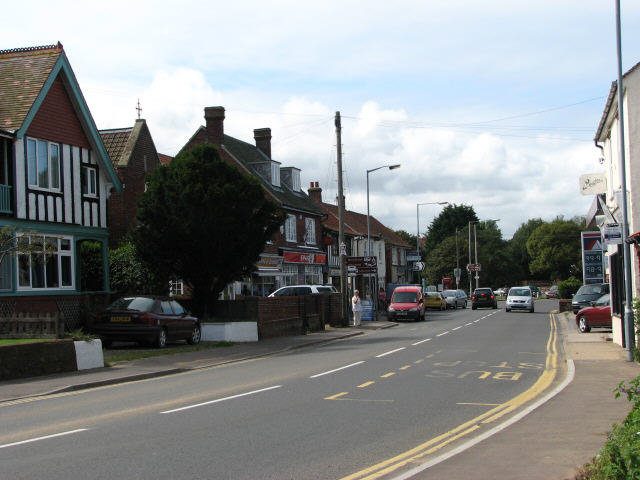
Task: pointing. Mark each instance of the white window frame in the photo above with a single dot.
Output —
(290, 228)
(313, 274)
(52, 163)
(295, 179)
(291, 275)
(275, 174)
(63, 255)
(90, 181)
(176, 287)
(309, 231)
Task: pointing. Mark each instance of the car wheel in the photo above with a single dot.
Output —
(473, 307)
(455, 306)
(508, 309)
(531, 311)
(582, 325)
(465, 304)
(161, 339)
(196, 334)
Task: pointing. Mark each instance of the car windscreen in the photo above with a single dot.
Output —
(404, 297)
(519, 292)
(325, 289)
(480, 291)
(449, 293)
(591, 290)
(139, 304)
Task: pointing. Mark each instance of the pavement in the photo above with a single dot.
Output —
(552, 442)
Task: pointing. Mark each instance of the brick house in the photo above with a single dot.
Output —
(55, 178)
(293, 256)
(134, 156)
(386, 245)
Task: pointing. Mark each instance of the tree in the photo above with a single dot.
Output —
(128, 275)
(555, 249)
(444, 225)
(204, 221)
(517, 249)
(28, 242)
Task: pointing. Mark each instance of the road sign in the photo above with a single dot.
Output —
(418, 266)
(474, 267)
(362, 265)
(612, 233)
(457, 272)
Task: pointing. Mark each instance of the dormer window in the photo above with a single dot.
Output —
(295, 179)
(275, 174)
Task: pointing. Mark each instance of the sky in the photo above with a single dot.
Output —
(492, 104)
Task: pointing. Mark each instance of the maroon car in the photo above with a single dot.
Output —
(597, 315)
(153, 320)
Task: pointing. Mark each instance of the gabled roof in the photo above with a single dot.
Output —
(356, 224)
(120, 142)
(26, 76)
(248, 154)
(600, 132)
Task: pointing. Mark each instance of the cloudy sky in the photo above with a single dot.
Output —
(489, 103)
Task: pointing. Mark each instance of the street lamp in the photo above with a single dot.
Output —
(390, 167)
(475, 246)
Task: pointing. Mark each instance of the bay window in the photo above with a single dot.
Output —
(48, 266)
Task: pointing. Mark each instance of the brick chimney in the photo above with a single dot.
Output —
(263, 140)
(315, 192)
(215, 124)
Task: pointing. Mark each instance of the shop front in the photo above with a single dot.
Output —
(303, 268)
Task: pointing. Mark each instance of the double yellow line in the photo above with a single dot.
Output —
(417, 453)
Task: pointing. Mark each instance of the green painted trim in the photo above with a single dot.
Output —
(62, 64)
(87, 233)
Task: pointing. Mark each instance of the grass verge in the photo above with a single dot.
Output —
(12, 341)
(126, 353)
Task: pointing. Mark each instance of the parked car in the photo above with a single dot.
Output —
(520, 298)
(483, 297)
(455, 298)
(406, 303)
(587, 294)
(552, 292)
(153, 320)
(596, 315)
(298, 290)
(435, 300)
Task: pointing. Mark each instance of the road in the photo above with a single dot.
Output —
(366, 407)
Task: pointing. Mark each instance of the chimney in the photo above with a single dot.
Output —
(315, 192)
(263, 140)
(215, 124)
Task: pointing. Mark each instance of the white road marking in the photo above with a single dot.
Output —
(31, 440)
(467, 324)
(421, 341)
(336, 370)
(441, 334)
(222, 399)
(390, 352)
(457, 328)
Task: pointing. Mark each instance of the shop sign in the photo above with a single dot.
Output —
(270, 262)
(296, 257)
(362, 265)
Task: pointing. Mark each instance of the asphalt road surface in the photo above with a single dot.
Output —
(364, 407)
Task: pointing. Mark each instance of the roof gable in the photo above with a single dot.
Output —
(26, 78)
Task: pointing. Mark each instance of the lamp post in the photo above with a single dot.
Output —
(390, 167)
(468, 269)
(475, 243)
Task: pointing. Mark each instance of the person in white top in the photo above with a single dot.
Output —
(356, 306)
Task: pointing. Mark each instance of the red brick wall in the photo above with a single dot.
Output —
(122, 207)
(56, 120)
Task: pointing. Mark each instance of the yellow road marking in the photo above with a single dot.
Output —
(419, 361)
(424, 449)
(386, 375)
(478, 404)
(366, 384)
(337, 395)
(405, 367)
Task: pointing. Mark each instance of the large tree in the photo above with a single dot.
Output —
(517, 249)
(407, 237)
(444, 225)
(204, 221)
(555, 249)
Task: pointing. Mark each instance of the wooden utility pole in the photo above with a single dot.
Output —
(344, 310)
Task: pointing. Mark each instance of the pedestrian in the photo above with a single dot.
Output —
(356, 306)
(382, 299)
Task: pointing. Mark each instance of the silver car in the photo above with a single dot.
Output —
(520, 298)
(455, 298)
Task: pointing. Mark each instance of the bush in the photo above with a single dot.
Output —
(568, 287)
(619, 459)
(128, 276)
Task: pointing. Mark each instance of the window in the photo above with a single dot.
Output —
(290, 274)
(313, 274)
(275, 174)
(295, 179)
(43, 164)
(51, 269)
(176, 287)
(90, 181)
(5, 273)
(309, 231)
(290, 228)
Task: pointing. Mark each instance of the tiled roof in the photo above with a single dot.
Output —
(115, 141)
(356, 224)
(164, 159)
(247, 154)
(23, 72)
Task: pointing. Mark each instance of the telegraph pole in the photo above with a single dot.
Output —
(344, 311)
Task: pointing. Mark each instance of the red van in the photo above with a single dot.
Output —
(407, 303)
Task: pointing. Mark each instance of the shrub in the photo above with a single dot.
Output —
(568, 287)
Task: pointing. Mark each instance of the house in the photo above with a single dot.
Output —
(134, 156)
(293, 256)
(56, 177)
(388, 248)
(606, 207)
